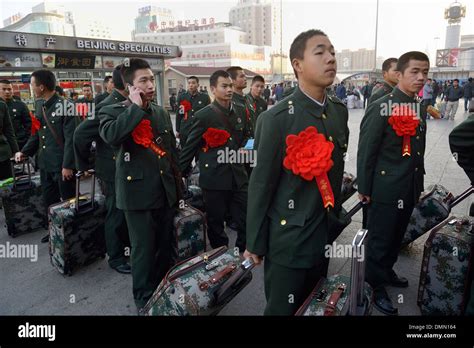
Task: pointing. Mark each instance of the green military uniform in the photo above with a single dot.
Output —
(393, 182)
(146, 190)
(461, 142)
(288, 91)
(90, 103)
(286, 220)
(224, 185)
(116, 233)
(380, 92)
(258, 106)
(8, 144)
(101, 97)
(53, 154)
(243, 102)
(21, 120)
(185, 122)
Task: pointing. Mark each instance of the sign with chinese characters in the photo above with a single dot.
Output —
(74, 61)
(20, 60)
(186, 23)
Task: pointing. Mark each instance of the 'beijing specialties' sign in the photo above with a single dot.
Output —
(122, 47)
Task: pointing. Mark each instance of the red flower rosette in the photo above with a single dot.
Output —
(308, 155)
(185, 106)
(404, 122)
(215, 137)
(35, 124)
(143, 135)
(82, 109)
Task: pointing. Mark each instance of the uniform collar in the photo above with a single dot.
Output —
(51, 101)
(387, 85)
(117, 96)
(309, 102)
(224, 110)
(193, 96)
(404, 97)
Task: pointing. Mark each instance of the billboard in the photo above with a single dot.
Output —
(447, 57)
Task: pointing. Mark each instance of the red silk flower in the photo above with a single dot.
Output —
(308, 155)
(215, 137)
(186, 106)
(404, 122)
(143, 135)
(35, 124)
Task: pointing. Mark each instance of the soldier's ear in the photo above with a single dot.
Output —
(296, 64)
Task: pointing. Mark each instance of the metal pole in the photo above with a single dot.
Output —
(376, 32)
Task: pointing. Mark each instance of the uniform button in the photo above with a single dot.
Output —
(52, 121)
(206, 165)
(417, 137)
(230, 138)
(159, 157)
(419, 154)
(129, 178)
(166, 131)
(283, 222)
(330, 138)
(44, 127)
(161, 172)
(416, 169)
(382, 172)
(345, 145)
(44, 147)
(113, 157)
(42, 137)
(324, 116)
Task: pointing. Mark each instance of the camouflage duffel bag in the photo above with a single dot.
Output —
(190, 232)
(202, 285)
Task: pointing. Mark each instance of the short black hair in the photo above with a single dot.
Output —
(299, 44)
(388, 63)
(405, 58)
(59, 90)
(46, 78)
(470, 79)
(258, 78)
(233, 71)
(215, 76)
(7, 82)
(193, 78)
(106, 79)
(456, 80)
(85, 85)
(117, 78)
(128, 70)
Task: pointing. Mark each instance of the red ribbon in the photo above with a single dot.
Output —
(326, 190)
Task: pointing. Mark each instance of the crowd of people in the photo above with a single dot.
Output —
(281, 215)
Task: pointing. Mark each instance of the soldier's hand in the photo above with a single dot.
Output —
(257, 260)
(67, 174)
(87, 174)
(364, 198)
(136, 96)
(177, 135)
(19, 156)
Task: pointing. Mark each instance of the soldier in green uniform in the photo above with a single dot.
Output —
(461, 142)
(146, 182)
(223, 181)
(108, 88)
(390, 169)
(8, 145)
(289, 220)
(196, 102)
(19, 113)
(254, 98)
(116, 233)
(239, 81)
(390, 79)
(53, 142)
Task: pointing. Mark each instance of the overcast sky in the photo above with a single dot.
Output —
(403, 24)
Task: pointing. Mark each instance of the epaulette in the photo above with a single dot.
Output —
(336, 100)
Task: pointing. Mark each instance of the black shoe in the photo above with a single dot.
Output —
(45, 239)
(124, 268)
(398, 282)
(383, 303)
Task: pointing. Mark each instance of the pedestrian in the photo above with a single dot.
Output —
(453, 94)
(468, 93)
(390, 80)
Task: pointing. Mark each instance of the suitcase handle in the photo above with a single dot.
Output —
(79, 175)
(12, 162)
(226, 290)
(355, 209)
(461, 197)
(357, 297)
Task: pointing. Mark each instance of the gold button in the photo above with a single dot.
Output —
(230, 138)
(44, 147)
(52, 121)
(283, 222)
(206, 165)
(161, 172)
(42, 137)
(417, 137)
(330, 138)
(419, 154)
(382, 172)
(290, 102)
(166, 131)
(129, 178)
(113, 157)
(345, 145)
(159, 157)
(416, 169)
(44, 127)
(324, 116)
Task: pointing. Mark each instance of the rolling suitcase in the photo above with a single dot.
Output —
(434, 206)
(446, 270)
(23, 204)
(349, 186)
(23, 168)
(342, 295)
(190, 232)
(202, 285)
(194, 197)
(76, 230)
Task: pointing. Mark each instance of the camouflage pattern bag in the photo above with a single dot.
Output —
(194, 197)
(202, 285)
(434, 206)
(446, 273)
(23, 205)
(349, 186)
(340, 295)
(190, 231)
(76, 235)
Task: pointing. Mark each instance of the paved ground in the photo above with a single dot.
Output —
(35, 288)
